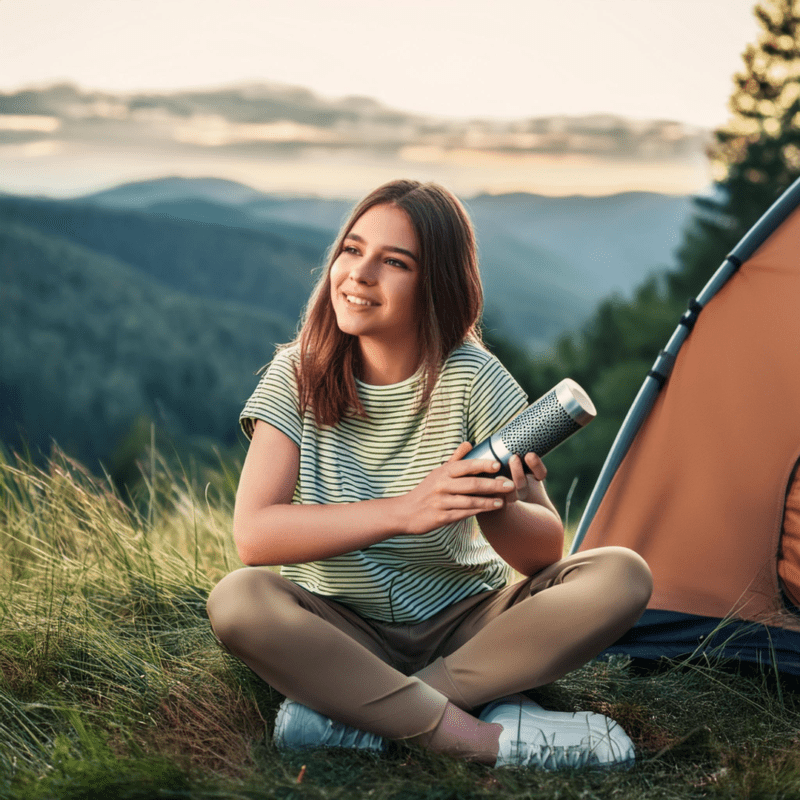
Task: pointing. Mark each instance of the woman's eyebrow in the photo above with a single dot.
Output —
(355, 237)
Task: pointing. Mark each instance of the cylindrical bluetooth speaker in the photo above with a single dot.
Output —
(542, 426)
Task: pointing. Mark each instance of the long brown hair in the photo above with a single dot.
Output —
(451, 298)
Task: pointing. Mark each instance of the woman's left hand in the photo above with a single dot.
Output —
(528, 486)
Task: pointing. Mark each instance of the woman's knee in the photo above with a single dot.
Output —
(628, 571)
(237, 600)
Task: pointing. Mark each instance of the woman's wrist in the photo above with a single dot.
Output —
(394, 516)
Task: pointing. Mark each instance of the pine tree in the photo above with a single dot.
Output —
(756, 155)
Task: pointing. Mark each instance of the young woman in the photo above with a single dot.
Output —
(391, 618)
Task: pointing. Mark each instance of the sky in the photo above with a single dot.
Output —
(663, 59)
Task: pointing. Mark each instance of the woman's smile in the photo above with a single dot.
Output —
(359, 301)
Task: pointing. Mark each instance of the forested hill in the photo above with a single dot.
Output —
(270, 268)
(94, 349)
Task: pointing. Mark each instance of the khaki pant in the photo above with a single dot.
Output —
(395, 680)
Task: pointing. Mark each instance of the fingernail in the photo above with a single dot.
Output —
(498, 503)
(508, 484)
(496, 465)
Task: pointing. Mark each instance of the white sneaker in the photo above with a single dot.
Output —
(297, 727)
(535, 737)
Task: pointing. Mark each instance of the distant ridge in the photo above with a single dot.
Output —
(546, 260)
(532, 294)
(140, 194)
(162, 298)
(270, 268)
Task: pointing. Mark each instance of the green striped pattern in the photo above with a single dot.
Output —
(405, 579)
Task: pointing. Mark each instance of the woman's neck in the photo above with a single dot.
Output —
(383, 364)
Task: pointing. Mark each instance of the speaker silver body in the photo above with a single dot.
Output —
(540, 428)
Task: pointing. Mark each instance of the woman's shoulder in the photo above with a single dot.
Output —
(479, 372)
(286, 357)
(280, 374)
(469, 358)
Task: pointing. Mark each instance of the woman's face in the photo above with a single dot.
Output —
(375, 278)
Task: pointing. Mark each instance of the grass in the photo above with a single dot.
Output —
(112, 685)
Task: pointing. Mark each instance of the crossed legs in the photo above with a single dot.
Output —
(325, 656)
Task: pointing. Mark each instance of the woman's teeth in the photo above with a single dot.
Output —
(358, 300)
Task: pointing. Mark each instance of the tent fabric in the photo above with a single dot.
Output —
(668, 634)
(705, 493)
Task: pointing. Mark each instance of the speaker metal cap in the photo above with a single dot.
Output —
(575, 401)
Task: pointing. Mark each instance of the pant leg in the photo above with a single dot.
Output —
(542, 628)
(320, 654)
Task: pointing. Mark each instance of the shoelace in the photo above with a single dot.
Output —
(342, 735)
(549, 757)
(552, 756)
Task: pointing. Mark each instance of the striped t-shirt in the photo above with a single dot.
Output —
(407, 578)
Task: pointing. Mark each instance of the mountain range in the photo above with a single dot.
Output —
(546, 261)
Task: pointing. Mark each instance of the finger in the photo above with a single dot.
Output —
(505, 489)
(460, 452)
(476, 503)
(457, 507)
(517, 471)
(467, 485)
(511, 497)
(518, 476)
(476, 506)
(473, 466)
(536, 466)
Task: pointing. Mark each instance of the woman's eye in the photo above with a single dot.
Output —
(395, 263)
(349, 249)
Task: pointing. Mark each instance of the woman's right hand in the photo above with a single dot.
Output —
(452, 492)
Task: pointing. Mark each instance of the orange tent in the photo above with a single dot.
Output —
(703, 482)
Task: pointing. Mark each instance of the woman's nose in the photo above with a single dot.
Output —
(363, 270)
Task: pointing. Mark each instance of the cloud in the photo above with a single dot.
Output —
(256, 124)
(213, 130)
(29, 122)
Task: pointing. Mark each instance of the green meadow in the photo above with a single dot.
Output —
(113, 686)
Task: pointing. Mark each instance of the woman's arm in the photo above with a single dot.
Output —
(268, 529)
(527, 531)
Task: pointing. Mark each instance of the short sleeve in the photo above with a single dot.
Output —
(495, 398)
(275, 399)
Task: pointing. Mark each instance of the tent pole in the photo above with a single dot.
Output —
(662, 367)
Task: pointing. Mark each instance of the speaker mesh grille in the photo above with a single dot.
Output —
(539, 428)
